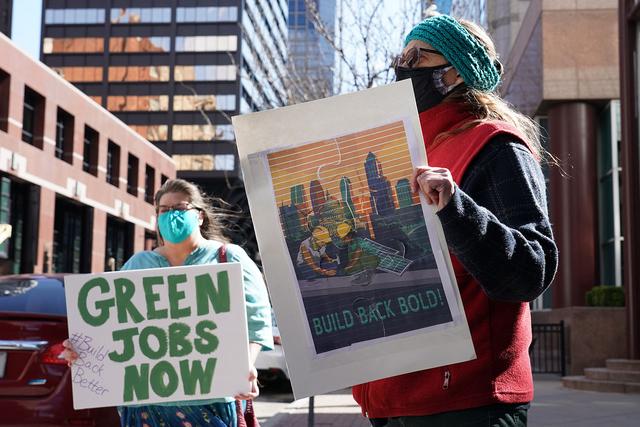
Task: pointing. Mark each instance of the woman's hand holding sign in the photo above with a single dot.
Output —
(69, 354)
(436, 184)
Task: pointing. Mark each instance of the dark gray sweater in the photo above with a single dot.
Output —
(497, 223)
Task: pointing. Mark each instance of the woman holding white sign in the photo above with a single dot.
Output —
(485, 181)
(190, 234)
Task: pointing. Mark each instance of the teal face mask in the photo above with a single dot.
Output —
(175, 226)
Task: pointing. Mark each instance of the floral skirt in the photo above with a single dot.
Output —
(215, 414)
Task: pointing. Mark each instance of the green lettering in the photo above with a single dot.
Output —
(206, 292)
(191, 377)
(136, 383)
(317, 325)
(402, 302)
(102, 306)
(126, 335)
(160, 335)
(158, 373)
(179, 345)
(124, 290)
(175, 296)
(206, 342)
(151, 297)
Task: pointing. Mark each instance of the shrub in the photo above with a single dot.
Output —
(605, 296)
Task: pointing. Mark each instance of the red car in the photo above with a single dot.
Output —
(35, 383)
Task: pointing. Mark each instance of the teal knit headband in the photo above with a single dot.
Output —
(462, 50)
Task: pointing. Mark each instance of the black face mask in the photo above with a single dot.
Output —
(428, 84)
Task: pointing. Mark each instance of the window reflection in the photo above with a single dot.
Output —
(74, 16)
(137, 15)
(80, 74)
(206, 43)
(204, 162)
(205, 72)
(139, 44)
(73, 45)
(193, 162)
(204, 102)
(138, 103)
(202, 132)
(158, 73)
(152, 132)
(207, 14)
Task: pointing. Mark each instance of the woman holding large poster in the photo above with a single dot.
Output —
(190, 234)
(485, 180)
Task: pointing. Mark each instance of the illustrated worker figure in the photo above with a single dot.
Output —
(313, 261)
(359, 260)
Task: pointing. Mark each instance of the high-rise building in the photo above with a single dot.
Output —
(311, 57)
(6, 7)
(175, 71)
(442, 6)
(76, 184)
(471, 10)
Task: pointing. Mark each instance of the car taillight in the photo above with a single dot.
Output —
(53, 355)
(277, 340)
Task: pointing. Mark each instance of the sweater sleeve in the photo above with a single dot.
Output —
(497, 223)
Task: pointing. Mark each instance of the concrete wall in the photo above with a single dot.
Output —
(592, 334)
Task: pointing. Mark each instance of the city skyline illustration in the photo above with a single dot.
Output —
(367, 171)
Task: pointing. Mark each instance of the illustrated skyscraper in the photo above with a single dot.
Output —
(379, 187)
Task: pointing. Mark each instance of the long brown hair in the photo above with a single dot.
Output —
(211, 228)
(488, 106)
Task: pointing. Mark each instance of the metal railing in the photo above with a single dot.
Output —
(547, 348)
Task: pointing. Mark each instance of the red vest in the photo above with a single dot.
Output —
(501, 331)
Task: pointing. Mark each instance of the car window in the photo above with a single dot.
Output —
(38, 295)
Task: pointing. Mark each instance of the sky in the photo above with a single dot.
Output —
(25, 26)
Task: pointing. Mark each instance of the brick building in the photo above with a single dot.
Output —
(76, 183)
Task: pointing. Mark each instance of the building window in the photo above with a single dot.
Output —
(225, 162)
(149, 184)
(137, 15)
(73, 45)
(153, 73)
(139, 44)
(113, 164)
(202, 132)
(207, 14)
(90, 151)
(163, 178)
(119, 243)
(132, 175)
(204, 102)
(205, 73)
(72, 234)
(33, 117)
(74, 16)
(64, 136)
(609, 200)
(152, 132)
(5, 92)
(80, 74)
(138, 103)
(206, 44)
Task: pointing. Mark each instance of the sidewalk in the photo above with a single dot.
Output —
(553, 405)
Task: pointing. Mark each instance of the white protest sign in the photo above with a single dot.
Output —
(357, 266)
(158, 335)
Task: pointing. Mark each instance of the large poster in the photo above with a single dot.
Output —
(356, 264)
(157, 335)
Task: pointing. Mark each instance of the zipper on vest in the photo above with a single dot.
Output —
(447, 377)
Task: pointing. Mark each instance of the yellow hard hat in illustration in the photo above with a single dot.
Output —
(321, 234)
(344, 229)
